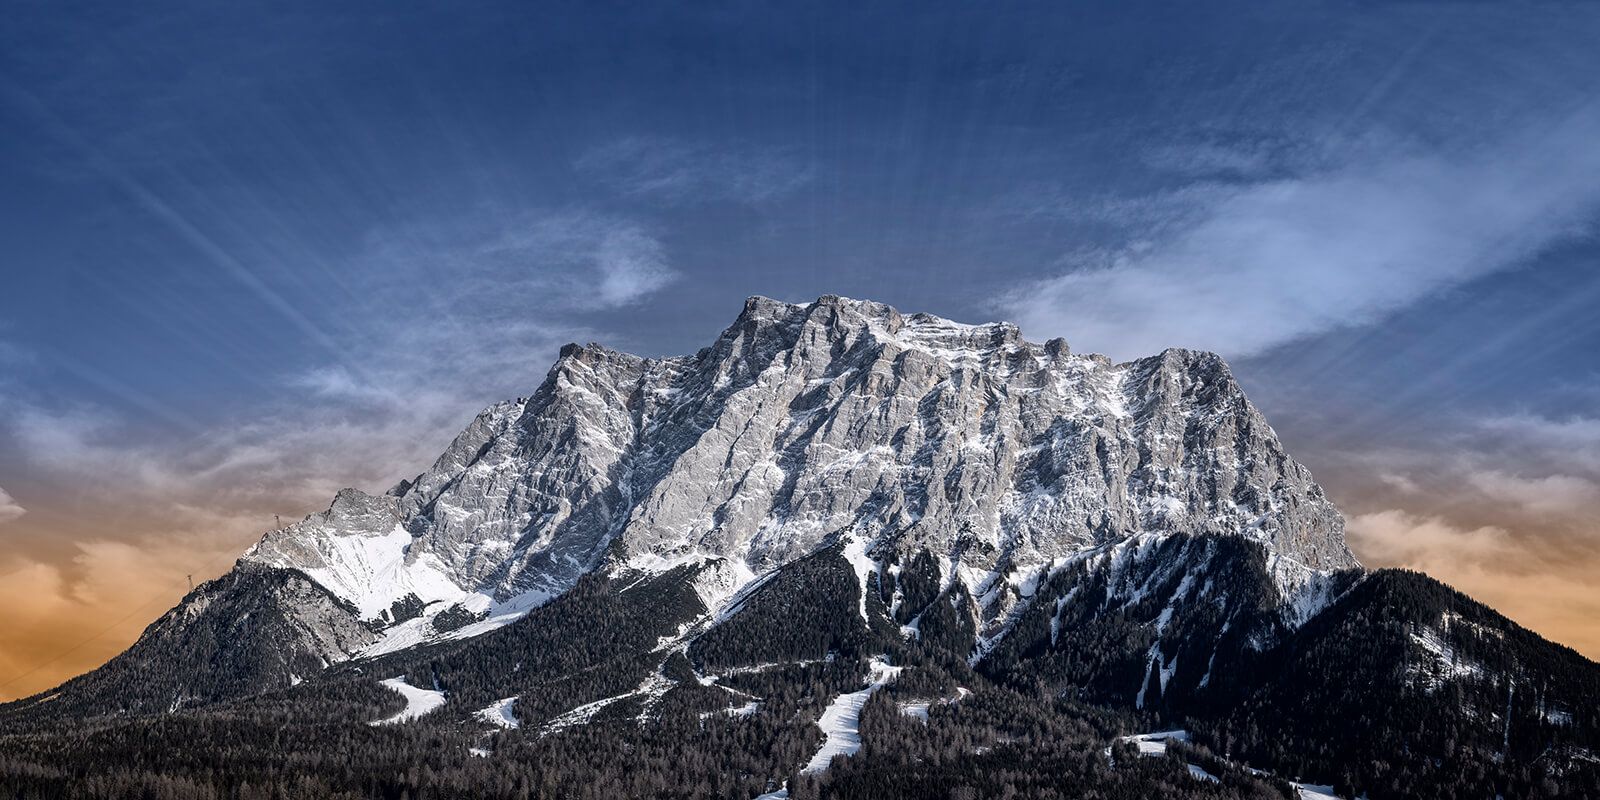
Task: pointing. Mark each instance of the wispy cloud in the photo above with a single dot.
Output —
(1253, 265)
(1245, 159)
(592, 260)
(1522, 472)
(445, 316)
(448, 321)
(1572, 439)
(1428, 543)
(10, 509)
(1547, 495)
(680, 172)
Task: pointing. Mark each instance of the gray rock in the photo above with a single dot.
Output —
(804, 423)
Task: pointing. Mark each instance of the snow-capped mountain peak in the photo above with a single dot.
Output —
(801, 423)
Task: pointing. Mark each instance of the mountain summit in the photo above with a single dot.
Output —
(834, 490)
(803, 424)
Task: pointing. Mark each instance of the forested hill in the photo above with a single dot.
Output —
(628, 688)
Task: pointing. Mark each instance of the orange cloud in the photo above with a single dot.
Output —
(1493, 565)
(68, 613)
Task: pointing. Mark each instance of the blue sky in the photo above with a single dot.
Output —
(250, 256)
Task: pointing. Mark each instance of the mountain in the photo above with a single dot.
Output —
(698, 561)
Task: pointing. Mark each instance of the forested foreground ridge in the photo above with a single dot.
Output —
(844, 553)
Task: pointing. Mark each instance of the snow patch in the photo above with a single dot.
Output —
(418, 701)
(717, 580)
(841, 720)
(748, 669)
(497, 614)
(1155, 744)
(650, 690)
(500, 714)
(855, 551)
(737, 712)
(370, 570)
(918, 711)
(913, 629)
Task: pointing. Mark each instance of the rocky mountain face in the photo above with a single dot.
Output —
(840, 420)
(830, 491)
(804, 423)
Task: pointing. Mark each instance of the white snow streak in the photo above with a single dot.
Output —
(418, 631)
(418, 701)
(580, 715)
(841, 720)
(855, 551)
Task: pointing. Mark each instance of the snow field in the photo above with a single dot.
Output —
(418, 701)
